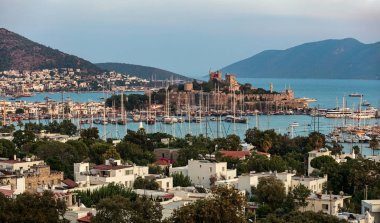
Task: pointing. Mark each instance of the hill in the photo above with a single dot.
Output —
(141, 71)
(20, 53)
(335, 59)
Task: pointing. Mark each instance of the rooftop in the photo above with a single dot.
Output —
(110, 167)
(372, 202)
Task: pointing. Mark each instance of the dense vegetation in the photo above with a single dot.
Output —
(39, 208)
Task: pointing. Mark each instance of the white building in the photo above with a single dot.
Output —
(17, 164)
(246, 182)
(202, 172)
(111, 172)
(326, 203)
(373, 207)
(315, 184)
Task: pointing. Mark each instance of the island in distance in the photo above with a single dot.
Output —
(329, 59)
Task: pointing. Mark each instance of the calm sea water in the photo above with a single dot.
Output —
(329, 93)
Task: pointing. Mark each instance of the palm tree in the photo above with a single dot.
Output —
(373, 144)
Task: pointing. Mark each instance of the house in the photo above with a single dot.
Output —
(373, 207)
(247, 181)
(326, 203)
(164, 183)
(27, 175)
(315, 184)
(110, 172)
(205, 172)
(166, 154)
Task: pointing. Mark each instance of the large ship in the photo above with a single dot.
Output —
(338, 113)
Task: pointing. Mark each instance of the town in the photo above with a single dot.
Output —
(16, 83)
(266, 176)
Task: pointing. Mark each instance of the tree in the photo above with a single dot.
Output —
(316, 140)
(373, 144)
(92, 197)
(225, 205)
(7, 148)
(301, 217)
(90, 135)
(271, 191)
(111, 153)
(113, 210)
(180, 180)
(142, 183)
(119, 209)
(300, 193)
(22, 137)
(97, 150)
(134, 153)
(32, 208)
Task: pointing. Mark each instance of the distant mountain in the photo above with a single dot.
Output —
(338, 59)
(20, 53)
(141, 71)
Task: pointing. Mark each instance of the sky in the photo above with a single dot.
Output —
(186, 37)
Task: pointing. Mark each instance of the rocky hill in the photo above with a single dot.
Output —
(20, 53)
(334, 59)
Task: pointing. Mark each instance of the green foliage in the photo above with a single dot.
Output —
(180, 180)
(142, 183)
(271, 191)
(119, 209)
(22, 137)
(302, 217)
(59, 156)
(91, 198)
(32, 208)
(134, 153)
(300, 193)
(66, 127)
(97, 150)
(226, 205)
(7, 148)
(90, 135)
(111, 153)
(7, 128)
(131, 101)
(231, 142)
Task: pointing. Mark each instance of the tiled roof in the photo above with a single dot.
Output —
(70, 183)
(7, 193)
(235, 154)
(86, 218)
(110, 167)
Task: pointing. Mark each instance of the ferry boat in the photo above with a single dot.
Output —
(338, 113)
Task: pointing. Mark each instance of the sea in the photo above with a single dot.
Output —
(329, 93)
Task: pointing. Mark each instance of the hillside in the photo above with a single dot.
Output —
(141, 71)
(20, 53)
(338, 59)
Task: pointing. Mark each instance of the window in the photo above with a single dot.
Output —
(222, 168)
(200, 166)
(210, 168)
(325, 207)
(167, 184)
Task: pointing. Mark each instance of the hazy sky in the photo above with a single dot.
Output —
(187, 37)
